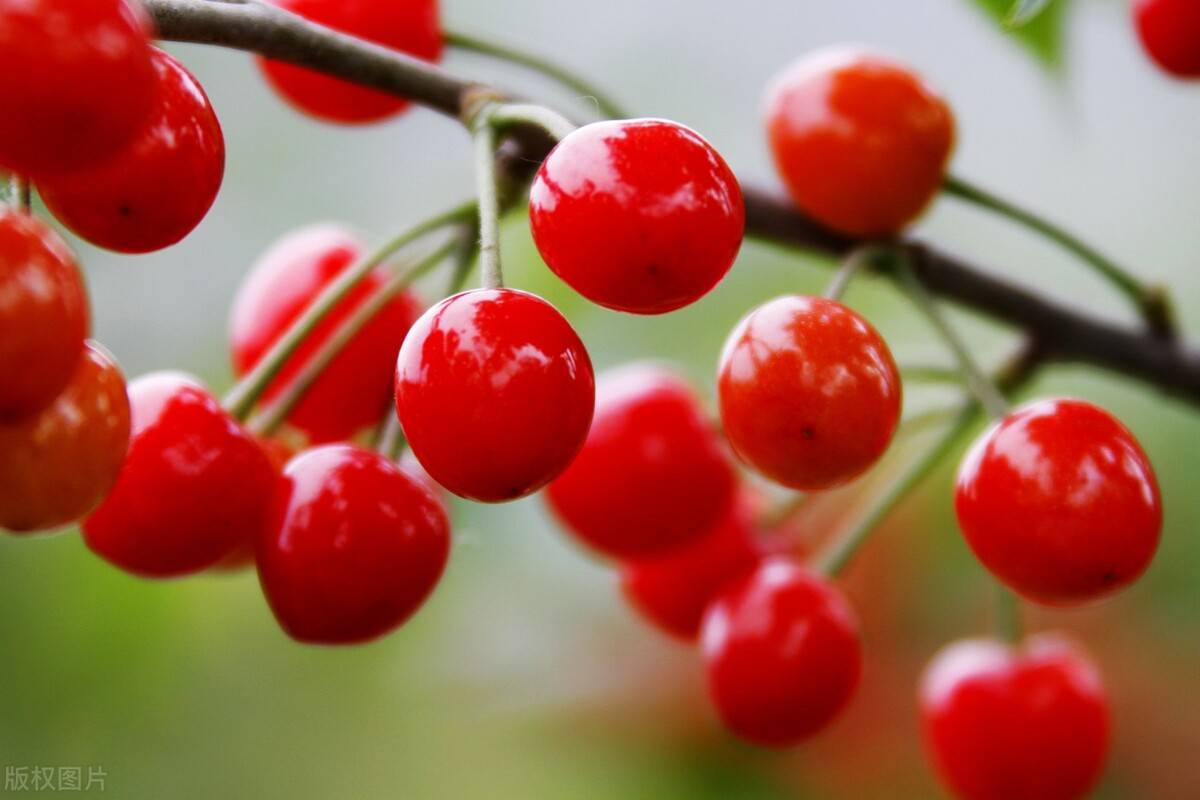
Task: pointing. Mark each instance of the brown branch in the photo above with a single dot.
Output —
(1060, 332)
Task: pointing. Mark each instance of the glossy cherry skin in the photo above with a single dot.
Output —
(637, 215)
(355, 546)
(279, 453)
(354, 391)
(1001, 724)
(781, 653)
(76, 82)
(43, 315)
(809, 393)
(860, 141)
(193, 487)
(1059, 502)
(653, 474)
(410, 26)
(673, 590)
(495, 393)
(1170, 33)
(57, 465)
(155, 191)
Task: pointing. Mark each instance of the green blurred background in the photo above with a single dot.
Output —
(525, 676)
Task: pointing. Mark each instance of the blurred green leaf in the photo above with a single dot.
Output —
(1040, 29)
(1023, 12)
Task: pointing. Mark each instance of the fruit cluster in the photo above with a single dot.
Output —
(495, 394)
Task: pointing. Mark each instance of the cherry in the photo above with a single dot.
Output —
(155, 191)
(57, 465)
(1000, 724)
(356, 546)
(1170, 33)
(781, 653)
(1059, 502)
(43, 314)
(860, 141)
(410, 26)
(809, 393)
(637, 215)
(673, 590)
(652, 474)
(194, 484)
(76, 83)
(278, 452)
(354, 390)
(495, 393)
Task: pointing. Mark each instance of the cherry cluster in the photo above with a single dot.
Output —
(494, 391)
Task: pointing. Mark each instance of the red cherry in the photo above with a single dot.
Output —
(1059, 502)
(495, 393)
(860, 141)
(354, 390)
(57, 465)
(193, 486)
(156, 190)
(356, 547)
(673, 590)
(43, 314)
(278, 453)
(781, 653)
(652, 475)
(1170, 33)
(809, 393)
(638, 215)
(410, 26)
(76, 83)
(1000, 724)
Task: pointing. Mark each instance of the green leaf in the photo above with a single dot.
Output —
(1024, 11)
(1035, 24)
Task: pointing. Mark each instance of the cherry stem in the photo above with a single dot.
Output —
(242, 397)
(20, 193)
(855, 261)
(846, 545)
(980, 386)
(484, 135)
(552, 122)
(930, 374)
(1007, 612)
(1152, 302)
(391, 441)
(269, 420)
(604, 105)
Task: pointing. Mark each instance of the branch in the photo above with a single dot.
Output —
(1060, 332)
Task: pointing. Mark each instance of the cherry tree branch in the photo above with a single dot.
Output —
(1061, 332)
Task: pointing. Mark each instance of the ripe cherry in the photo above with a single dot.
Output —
(355, 547)
(781, 653)
(43, 315)
(1170, 33)
(76, 83)
(860, 141)
(809, 393)
(278, 452)
(1000, 724)
(673, 590)
(1059, 502)
(652, 475)
(410, 26)
(155, 191)
(495, 393)
(194, 484)
(638, 215)
(355, 389)
(57, 465)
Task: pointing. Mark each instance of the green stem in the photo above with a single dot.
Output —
(489, 204)
(391, 441)
(242, 397)
(20, 193)
(980, 386)
(846, 545)
(1151, 302)
(858, 259)
(570, 80)
(273, 416)
(930, 374)
(547, 119)
(1008, 615)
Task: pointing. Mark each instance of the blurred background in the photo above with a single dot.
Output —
(525, 676)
